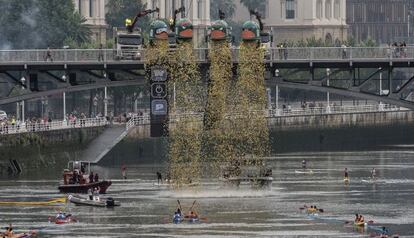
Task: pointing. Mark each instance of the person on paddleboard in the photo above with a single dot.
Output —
(346, 175)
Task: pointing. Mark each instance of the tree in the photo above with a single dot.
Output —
(259, 5)
(40, 23)
(119, 10)
(227, 6)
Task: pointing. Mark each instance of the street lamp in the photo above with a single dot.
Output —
(328, 73)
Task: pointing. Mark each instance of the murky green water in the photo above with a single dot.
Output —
(147, 208)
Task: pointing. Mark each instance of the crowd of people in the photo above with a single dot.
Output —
(397, 50)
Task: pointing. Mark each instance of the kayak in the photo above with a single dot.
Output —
(177, 219)
(56, 201)
(68, 219)
(360, 224)
(108, 202)
(21, 235)
(346, 180)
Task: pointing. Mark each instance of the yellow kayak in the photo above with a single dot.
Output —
(45, 203)
(359, 223)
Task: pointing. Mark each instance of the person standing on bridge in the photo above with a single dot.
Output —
(48, 56)
(100, 53)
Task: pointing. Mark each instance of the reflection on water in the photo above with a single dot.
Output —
(147, 207)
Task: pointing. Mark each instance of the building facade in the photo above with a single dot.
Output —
(293, 20)
(94, 13)
(197, 11)
(384, 21)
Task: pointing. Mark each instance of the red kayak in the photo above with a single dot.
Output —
(68, 219)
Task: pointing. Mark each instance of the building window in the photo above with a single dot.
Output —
(319, 9)
(91, 8)
(328, 9)
(290, 9)
(337, 9)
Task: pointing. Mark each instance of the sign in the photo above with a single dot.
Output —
(158, 74)
(158, 90)
(159, 107)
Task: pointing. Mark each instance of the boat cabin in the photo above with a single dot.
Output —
(77, 172)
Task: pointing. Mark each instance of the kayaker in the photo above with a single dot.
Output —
(61, 216)
(346, 176)
(9, 231)
(178, 211)
(361, 218)
(356, 217)
(304, 164)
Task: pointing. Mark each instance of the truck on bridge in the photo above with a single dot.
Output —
(129, 41)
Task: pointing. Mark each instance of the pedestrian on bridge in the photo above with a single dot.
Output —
(48, 56)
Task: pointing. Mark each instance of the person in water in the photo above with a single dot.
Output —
(304, 164)
(159, 177)
(373, 173)
(356, 217)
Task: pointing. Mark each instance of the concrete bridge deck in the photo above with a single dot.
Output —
(311, 57)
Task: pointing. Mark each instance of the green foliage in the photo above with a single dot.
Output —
(40, 23)
(119, 10)
(227, 6)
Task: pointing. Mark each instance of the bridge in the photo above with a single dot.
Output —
(372, 73)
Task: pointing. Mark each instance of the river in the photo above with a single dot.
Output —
(146, 207)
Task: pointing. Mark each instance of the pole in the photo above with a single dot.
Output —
(380, 92)
(328, 108)
(408, 27)
(277, 99)
(174, 96)
(17, 111)
(64, 106)
(105, 101)
(23, 120)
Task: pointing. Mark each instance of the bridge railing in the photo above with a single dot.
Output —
(201, 54)
(50, 126)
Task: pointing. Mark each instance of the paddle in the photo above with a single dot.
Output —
(179, 205)
(352, 222)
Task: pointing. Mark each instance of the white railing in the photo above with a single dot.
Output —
(194, 117)
(201, 54)
(50, 126)
(285, 112)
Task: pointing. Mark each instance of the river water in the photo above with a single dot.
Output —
(146, 207)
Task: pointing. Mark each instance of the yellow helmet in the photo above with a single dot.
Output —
(128, 22)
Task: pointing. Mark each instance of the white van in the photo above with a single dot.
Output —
(3, 115)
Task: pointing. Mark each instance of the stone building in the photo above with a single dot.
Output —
(198, 11)
(381, 20)
(292, 20)
(94, 12)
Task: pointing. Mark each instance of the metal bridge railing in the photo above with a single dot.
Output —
(191, 117)
(201, 54)
(50, 126)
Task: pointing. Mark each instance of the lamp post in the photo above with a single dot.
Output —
(328, 107)
(381, 106)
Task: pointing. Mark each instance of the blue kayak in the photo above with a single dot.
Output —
(177, 218)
